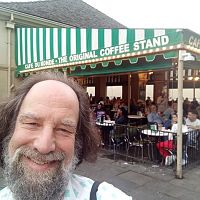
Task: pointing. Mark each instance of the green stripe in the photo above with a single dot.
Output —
(68, 39)
(44, 44)
(21, 52)
(38, 44)
(130, 35)
(149, 33)
(78, 40)
(88, 39)
(169, 31)
(26, 47)
(59, 42)
(31, 44)
(100, 38)
(115, 37)
(51, 44)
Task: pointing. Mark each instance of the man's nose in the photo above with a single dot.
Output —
(45, 141)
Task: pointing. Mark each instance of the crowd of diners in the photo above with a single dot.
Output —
(162, 112)
(159, 111)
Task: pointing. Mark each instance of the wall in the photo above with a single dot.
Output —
(19, 19)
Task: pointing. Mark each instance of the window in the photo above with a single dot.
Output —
(189, 93)
(91, 90)
(114, 91)
(149, 91)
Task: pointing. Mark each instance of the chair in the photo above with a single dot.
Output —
(184, 148)
(192, 146)
(148, 142)
(119, 138)
(135, 142)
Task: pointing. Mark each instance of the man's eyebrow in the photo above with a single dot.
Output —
(67, 122)
(27, 116)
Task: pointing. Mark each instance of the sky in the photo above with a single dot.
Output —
(150, 13)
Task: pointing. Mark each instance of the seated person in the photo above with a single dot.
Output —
(167, 116)
(193, 124)
(121, 116)
(154, 116)
(165, 147)
(99, 111)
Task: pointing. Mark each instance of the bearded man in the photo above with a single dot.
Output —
(46, 131)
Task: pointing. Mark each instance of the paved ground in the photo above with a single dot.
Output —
(143, 182)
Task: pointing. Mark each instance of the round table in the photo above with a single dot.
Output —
(156, 133)
(137, 119)
(106, 128)
(106, 123)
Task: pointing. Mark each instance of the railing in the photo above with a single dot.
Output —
(156, 146)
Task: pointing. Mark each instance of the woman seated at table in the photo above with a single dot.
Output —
(100, 112)
(121, 116)
(166, 148)
(167, 145)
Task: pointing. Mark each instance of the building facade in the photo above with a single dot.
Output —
(49, 13)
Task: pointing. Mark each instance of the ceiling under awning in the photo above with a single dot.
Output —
(99, 51)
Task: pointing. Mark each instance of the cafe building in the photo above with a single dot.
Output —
(97, 57)
(107, 54)
(48, 14)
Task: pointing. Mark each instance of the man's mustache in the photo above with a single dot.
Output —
(36, 155)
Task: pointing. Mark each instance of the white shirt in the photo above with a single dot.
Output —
(174, 129)
(79, 188)
(194, 123)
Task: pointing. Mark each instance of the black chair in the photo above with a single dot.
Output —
(119, 139)
(135, 143)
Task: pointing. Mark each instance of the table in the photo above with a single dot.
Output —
(153, 137)
(106, 128)
(137, 119)
(106, 123)
(156, 133)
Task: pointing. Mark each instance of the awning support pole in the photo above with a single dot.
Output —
(129, 91)
(179, 172)
(65, 73)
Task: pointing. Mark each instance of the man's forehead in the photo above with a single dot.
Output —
(52, 88)
(52, 93)
(51, 84)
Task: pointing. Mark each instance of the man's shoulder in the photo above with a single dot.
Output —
(198, 121)
(105, 190)
(5, 194)
(108, 191)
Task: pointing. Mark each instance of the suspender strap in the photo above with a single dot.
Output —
(94, 190)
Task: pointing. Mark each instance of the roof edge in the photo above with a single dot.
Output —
(32, 18)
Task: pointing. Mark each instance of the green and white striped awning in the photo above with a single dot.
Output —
(47, 48)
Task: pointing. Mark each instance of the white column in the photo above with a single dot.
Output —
(179, 172)
(10, 26)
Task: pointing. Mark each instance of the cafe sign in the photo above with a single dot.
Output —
(44, 48)
(191, 38)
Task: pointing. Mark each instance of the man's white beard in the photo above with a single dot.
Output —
(27, 184)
